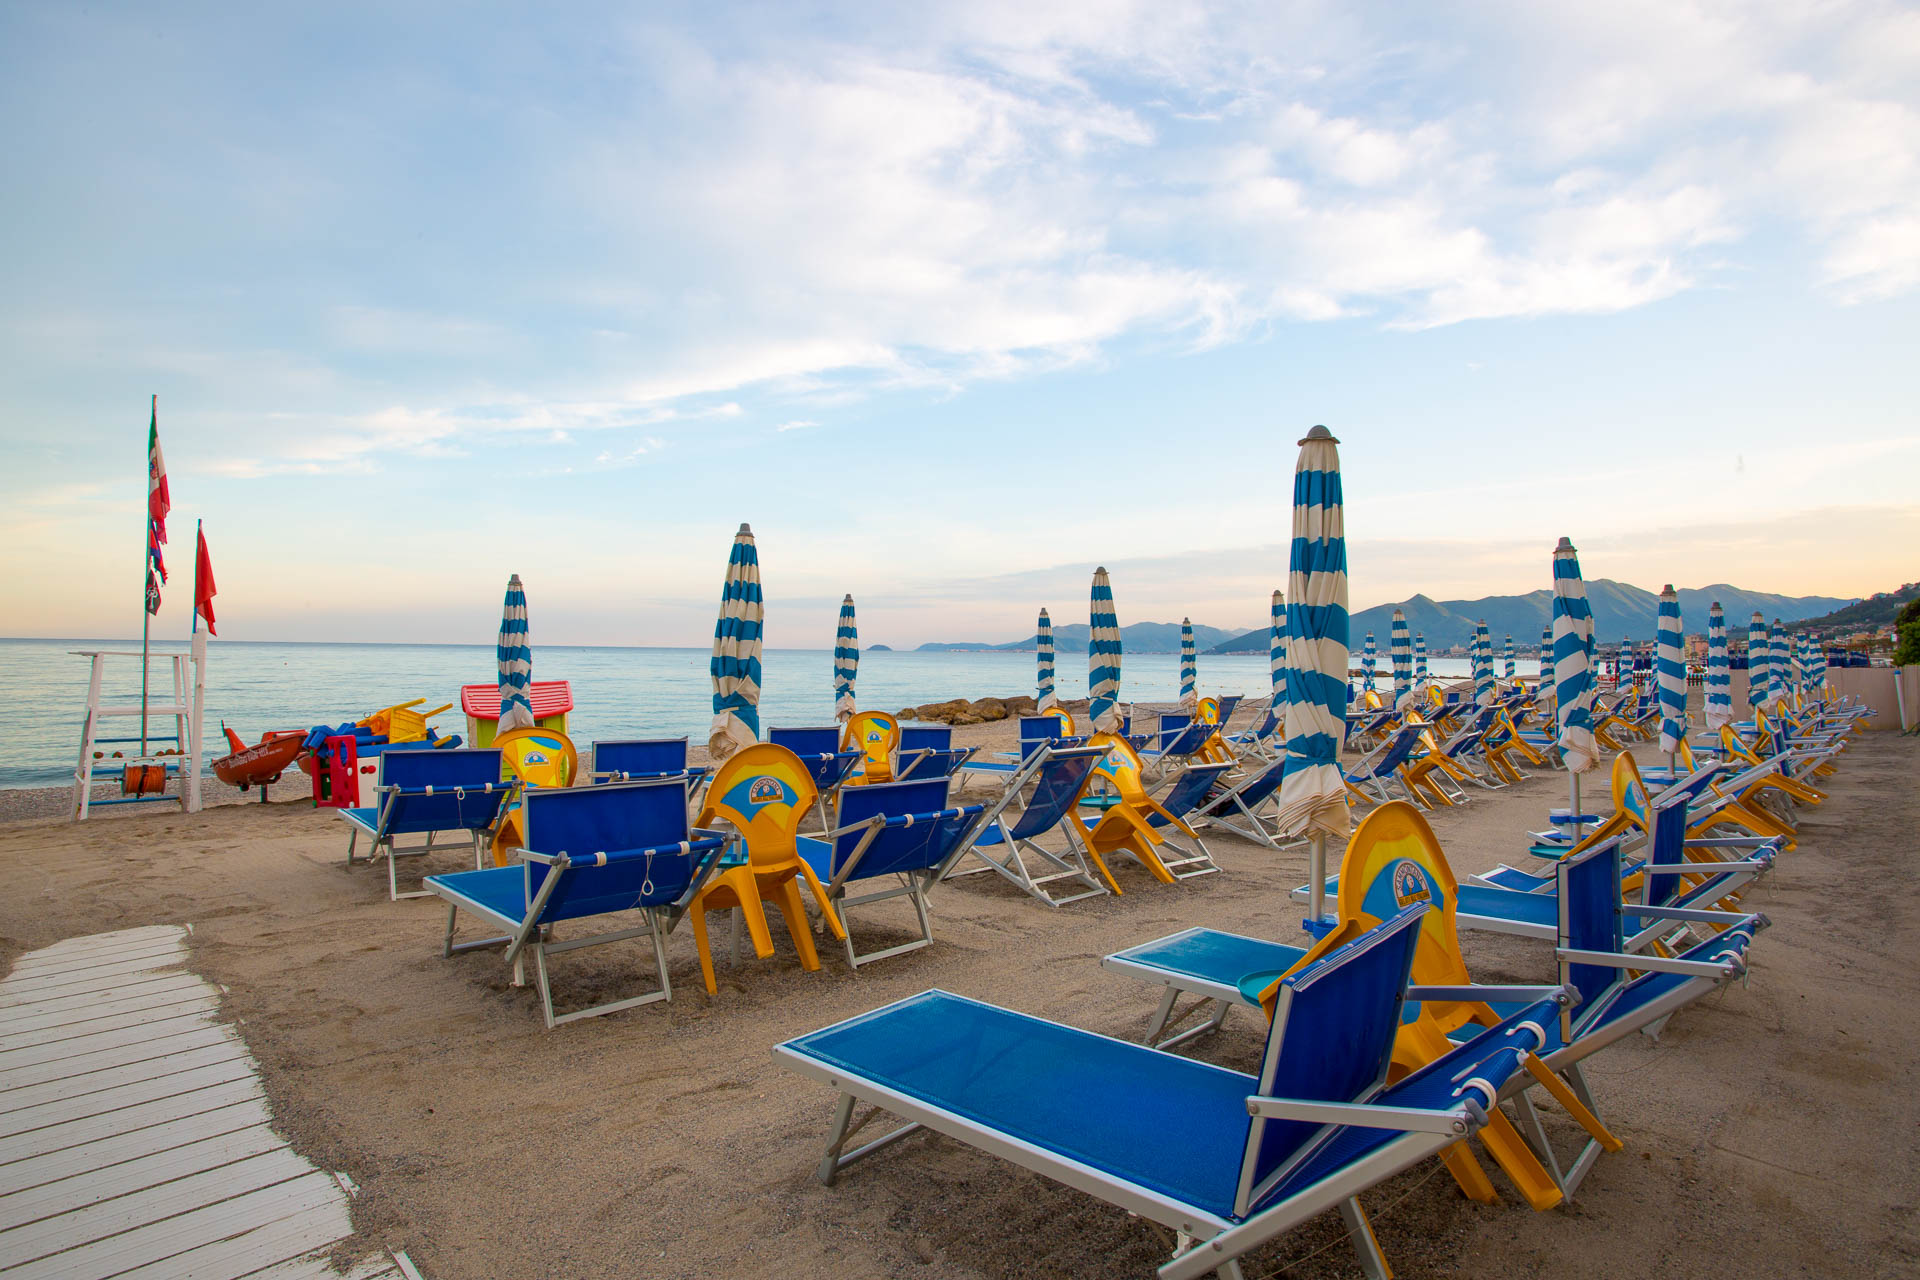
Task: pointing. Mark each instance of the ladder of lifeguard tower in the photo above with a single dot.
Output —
(185, 736)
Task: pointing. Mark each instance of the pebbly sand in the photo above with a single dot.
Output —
(1772, 1131)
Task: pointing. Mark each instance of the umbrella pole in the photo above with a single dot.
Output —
(1317, 876)
(1573, 798)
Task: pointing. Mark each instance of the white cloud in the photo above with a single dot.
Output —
(798, 424)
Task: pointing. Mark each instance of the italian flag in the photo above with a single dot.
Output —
(158, 500)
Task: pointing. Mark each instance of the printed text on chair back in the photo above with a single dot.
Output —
(764, 791)
(615, 820)
(640, 756)
(918, 847)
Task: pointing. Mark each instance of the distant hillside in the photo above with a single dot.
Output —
(1619, 611)
(1139, 637)
(1874, 611)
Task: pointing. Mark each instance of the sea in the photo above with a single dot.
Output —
(617, 692)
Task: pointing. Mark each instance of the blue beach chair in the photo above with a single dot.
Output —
(902, 830)
(1239, 808)
(818, 747)
(1013, 824)
(1265, 739)
(428, 793)
(1225, 1159)
(1035, 732)
(1180, 743)
(1378, 775)
(591, 851)
(634, 759)
(927, 751)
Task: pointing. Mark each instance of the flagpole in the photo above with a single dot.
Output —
(146, 577)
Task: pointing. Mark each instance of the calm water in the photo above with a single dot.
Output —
(618, 693)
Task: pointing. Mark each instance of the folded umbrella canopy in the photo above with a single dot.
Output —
(1758, 652)
(736, 652)
(1420, 658)
(1670, 669)
(1778, 671)
(1483, 685)
(1573, 665)
(1402, 653)
(1719, 700)
(514, 659)
(846, 661)
(1103, 656)
(1513, 668)
(1043, 658)
(1366, 664)
(1277, 650)
(1189, 668)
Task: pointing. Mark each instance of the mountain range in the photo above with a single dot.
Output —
(1139, 637)
(1620, 610)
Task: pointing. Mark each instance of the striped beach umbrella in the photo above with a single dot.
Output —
(1277, 650)
(1043, 657)
(1483, 684)
(846, 662)
(514, 656)
(1367, 660)
(1803, 665)
(736, 652)
(1819, 669)
(1719, 701)
(1401, 650)
(1189, 668)
(1670, 669)
(1778, 671)
(1103, 657)
(1420, 657)
(1623, 665)
(1573, 665)
(1513, 668)
(1757, 647)
(1312, 794)
(1543, 692)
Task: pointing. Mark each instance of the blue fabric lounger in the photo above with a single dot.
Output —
(620, 849)
(1378, 772)
(1035, 732)
(1202, 962)
(898, 831)
(1228, 1160)
(630, 759)
(1178, 746)
(1238, 808)
(427, 793)
(1005, 842)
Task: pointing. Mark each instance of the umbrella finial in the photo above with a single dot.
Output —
(1566, 544)
(1100, 569)
(746, 530)
(1318, 433)
(1667, 590)
(848, 598)
(1186, 622)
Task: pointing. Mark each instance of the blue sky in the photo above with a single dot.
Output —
(951, 302)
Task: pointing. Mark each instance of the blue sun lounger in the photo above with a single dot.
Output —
(1238, 808)
(1263, 739)
(621, 849)
(1377, 775)
(1035, 732)
(428, 793)
(927, 751)
(1225, 1159)
(1005, 842)
(818, 747)
(633, 759)
(1179, 745)
(902, 830)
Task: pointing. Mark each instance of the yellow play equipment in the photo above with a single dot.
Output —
(763, 792)
(1393, 860)
(529, 758)
(876, 736)
(400, 722)
(1136, 825)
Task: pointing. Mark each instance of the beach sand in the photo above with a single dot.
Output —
(1771, 1131)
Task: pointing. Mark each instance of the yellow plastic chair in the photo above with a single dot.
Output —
(1128, 827)
(1418, 772)
(532, 757)
(876, 735)
(1217, 751)
(1393, 860)
(763, 792)
(1064, 716)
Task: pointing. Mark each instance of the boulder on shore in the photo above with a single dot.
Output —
(959, 711)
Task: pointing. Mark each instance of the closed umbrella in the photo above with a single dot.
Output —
(1420, 658)
(514, 658)
(1312, 794)
(1757, 661)
(1103, 657)
(1778, 671)
(1483, 687)
(1719, 700)
(1573, 667)
(1513, 668)
(1670, 670)
(1189, 668)
(846, 662)
(1277, 651)
(1366, 665)
(736, 652)
(1043, 650)
(1546, 664)
(1402, 653)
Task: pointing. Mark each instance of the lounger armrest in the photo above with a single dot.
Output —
(1465, 1119)
(1727, 968)
(1696, 915)
(1565, 997)
(1732, 842)
(622, 775)
(1707, 867)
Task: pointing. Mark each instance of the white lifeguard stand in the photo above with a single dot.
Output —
(188, 701)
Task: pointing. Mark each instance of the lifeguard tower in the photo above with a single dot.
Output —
(160, 760)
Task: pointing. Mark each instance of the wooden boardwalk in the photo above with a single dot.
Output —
(135, 1137)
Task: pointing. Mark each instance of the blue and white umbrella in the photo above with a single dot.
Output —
(1670, 670)
(736, 652)
(1103, 657)
(1401, 650)
(1802, 666)
(1546, 655)
(1758, 647)
(1483, 683)
(1312, 793)
(1819, 669)
(1367, 660)
(1189, 668)
(1573, 665)
(846, 662)
(1778, 671)
(1512, 667)
(1623, 665)
(1043, 651)
(514, 656)
(1420, 658)
(1719, 700)
(1277, 651)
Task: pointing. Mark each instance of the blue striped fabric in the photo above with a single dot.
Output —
(1420, 657)
(1573, 660)
(1401, 650)
(1043, 658)
(1103, 656)
(1312, 794)
(1543, 692)
(1758, 649)
(1189, 668)
(1719, 701)
(846, 661)
(736, 652)
(1513, 667)
(1779, 673)
(1819, 669)
(1483, 683)
(1670, 669)
(1623, 665)
(1277, 650)
(514, 658)
(1367, 660)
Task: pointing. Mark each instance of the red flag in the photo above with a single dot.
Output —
(203, 588)
(159, 502)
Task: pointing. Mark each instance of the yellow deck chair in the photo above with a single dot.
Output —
(1216, 751)
(1125, 827)
(1064, 716)
(530, 757)
(1507, 744)
(1393, 860)
(1419, 770)
(763, 792)
(1776, 727)
(876, 736)
(1630, 794)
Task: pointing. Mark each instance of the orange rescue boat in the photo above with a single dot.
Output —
(259, 764)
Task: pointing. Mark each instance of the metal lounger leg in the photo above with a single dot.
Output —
(1373, 1262)
(844, 1127)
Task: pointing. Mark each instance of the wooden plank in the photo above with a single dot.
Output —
(80, 1084)
(85, 996)
(319, 1266)
(80, 978)
(34, 1063)
(71, 970)
(58, 1137)
(126, 1097)
(150, 1205)
(205, 1243)
(37, 964)
(151, 1170)
(189, 1005)
(119, 939)
(22, 1175)
(168, 989)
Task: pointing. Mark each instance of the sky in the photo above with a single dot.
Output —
(950, 302)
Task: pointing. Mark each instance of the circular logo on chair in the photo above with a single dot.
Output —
(750, 795)
(1410, 885)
